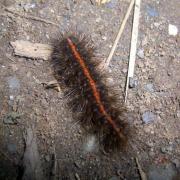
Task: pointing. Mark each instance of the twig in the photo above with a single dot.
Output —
(107, 62)
(141, 172)
(30, 17)
(134, 38)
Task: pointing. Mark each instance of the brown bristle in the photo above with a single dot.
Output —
(75, 69)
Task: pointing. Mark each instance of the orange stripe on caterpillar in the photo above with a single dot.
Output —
(93, 87)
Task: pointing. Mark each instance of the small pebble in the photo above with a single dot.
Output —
(148, 117)
(149, 87)
(156, 24)
(151, 153)
(27, 38)
(11, 97)
(140, 64)
(28, 6)
(167, 149)
(140, 53)
(133, 83)
(124, 70)
(47, 158)
(98, 20)
(112, 4)
(163, 149)
(104, 38)
(170, 148)
(152, 11)
(173, 30)
(90, 144)
(177, 163)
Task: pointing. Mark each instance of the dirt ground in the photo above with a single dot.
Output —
(154, 99)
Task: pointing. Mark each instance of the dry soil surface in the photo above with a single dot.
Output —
(154, 99)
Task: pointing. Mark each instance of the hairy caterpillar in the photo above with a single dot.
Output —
(75, 65)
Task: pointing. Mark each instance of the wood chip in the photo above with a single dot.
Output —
(31, 50)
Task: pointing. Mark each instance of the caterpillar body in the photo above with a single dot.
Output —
(75, 67)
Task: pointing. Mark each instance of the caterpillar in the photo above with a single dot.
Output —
(75, 67)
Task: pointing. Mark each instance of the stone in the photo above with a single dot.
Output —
(11, 97)
(104, 38)
(112, 4)
(156, 24)
(47, 158)
(149, 87)
(133, 83)
(152, 11)
(140, 53)
(90, 144)
(163, 150)
(168, 149)
(124, 71)
(98, 20)
(148, 117)
(176, 162)
(28, 6)
(173, 30)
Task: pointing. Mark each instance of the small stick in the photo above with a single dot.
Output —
(107, 62)
(134, 38)
(141, 172)
(30, 17)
